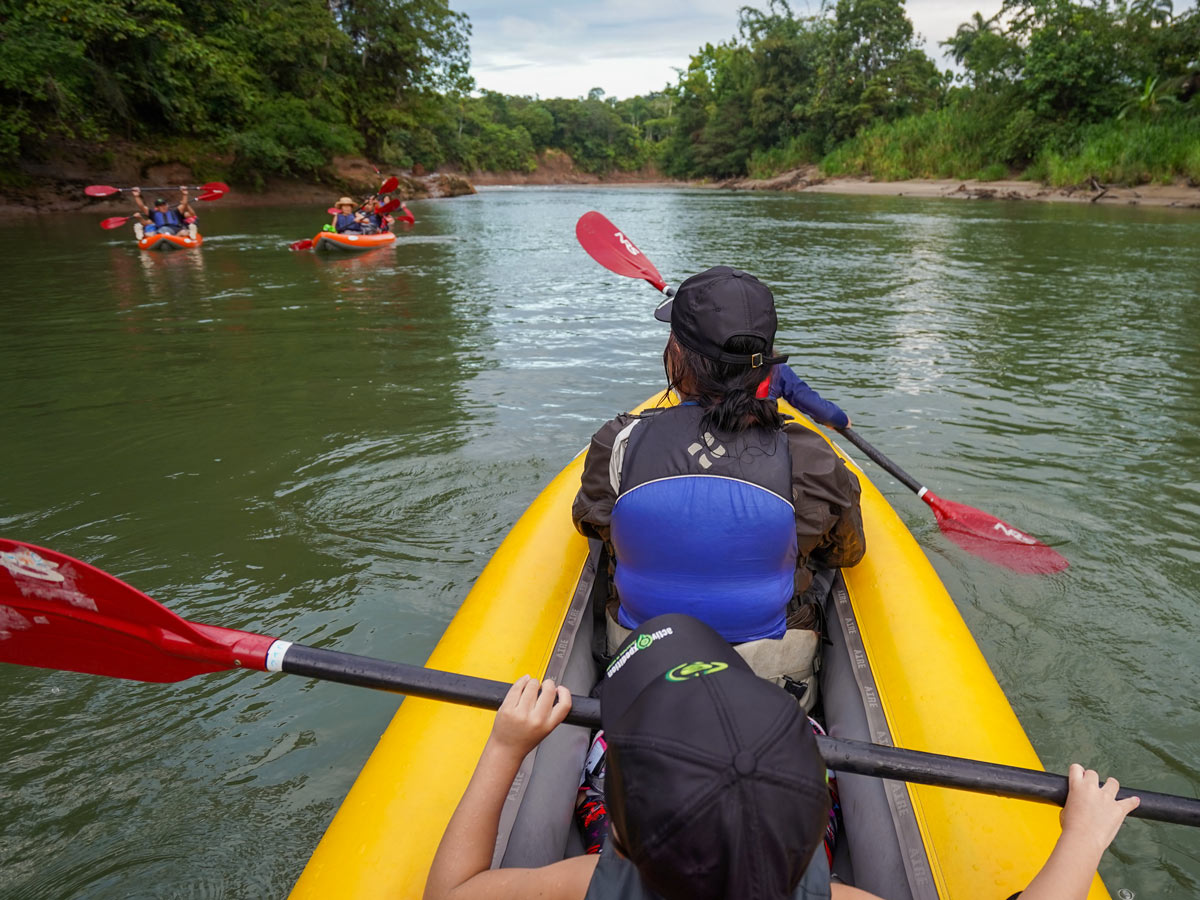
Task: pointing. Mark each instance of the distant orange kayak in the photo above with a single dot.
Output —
(329, 240)
(170, 242)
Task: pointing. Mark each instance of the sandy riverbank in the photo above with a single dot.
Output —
(809, 180)
(59, 188)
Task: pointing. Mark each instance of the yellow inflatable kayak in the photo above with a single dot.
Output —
(902, 669)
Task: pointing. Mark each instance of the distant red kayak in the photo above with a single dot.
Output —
(329, 240)
(170, 242)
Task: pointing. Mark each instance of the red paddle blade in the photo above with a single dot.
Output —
(388, 207)
(389, 185)
(59, 613)
(407, 216)
(301, 245)
(211, 195)
(115, 222)
(607, 245)
(214, 186)
(333, 210)
(100, 190)
(993, 539)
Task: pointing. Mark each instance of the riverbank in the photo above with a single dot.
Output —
(809, 180)
(57, 185)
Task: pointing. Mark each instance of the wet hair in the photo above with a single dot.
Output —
(725, 391)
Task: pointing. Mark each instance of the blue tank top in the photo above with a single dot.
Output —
(703, 525)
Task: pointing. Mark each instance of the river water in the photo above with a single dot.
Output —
(329, 449)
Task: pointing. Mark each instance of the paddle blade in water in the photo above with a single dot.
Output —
(993, 539)
(389, 185)
(608, 245)
(115, 222)
(301, 245)
(59, 613)
(406, 217)
(100, 190)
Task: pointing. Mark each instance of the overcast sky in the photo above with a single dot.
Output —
(631, 47)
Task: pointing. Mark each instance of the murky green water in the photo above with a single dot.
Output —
(328, 449)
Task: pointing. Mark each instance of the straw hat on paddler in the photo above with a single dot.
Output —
(345, 201)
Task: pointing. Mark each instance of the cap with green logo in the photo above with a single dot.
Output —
(714, 782)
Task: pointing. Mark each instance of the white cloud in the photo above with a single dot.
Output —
(630, 47)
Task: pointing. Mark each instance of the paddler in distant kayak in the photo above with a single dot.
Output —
(164, 219)
(379, 220)
(717, 507)
(715, 786)
(348, 219)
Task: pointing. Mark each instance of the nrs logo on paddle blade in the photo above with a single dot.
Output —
(628, 244)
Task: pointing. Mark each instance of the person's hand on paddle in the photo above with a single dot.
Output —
(529, 713)
(1090, 820)
(1093, 814)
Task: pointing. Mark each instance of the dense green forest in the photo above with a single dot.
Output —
(1056, 89)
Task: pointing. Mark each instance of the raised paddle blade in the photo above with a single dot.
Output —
(59, 613)
(333, 210)
(388, 207)
(100, 190)
(115, 222)
(389, 185)
(301, 245)
(211, 195)
(608, 245)
(215, 186)
(993, 539)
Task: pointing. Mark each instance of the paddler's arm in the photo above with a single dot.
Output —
(826, 496)
(786, 383)
(137, 198)
(460, 869)
(592, 510)
(1090, 820)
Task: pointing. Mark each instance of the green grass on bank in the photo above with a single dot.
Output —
(941, 143)
(1126, 152)
(961, 143)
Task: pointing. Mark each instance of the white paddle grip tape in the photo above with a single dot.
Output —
(922, 492)
(275, 654)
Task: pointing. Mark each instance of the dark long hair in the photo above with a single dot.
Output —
(725, 391)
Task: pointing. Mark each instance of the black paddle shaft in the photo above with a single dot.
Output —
(882, 461)
(987, 778)
(857, 757)
(417, 681)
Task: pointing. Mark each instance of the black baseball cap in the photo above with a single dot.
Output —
(714, 782)
(160, 202)
(718, 304)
